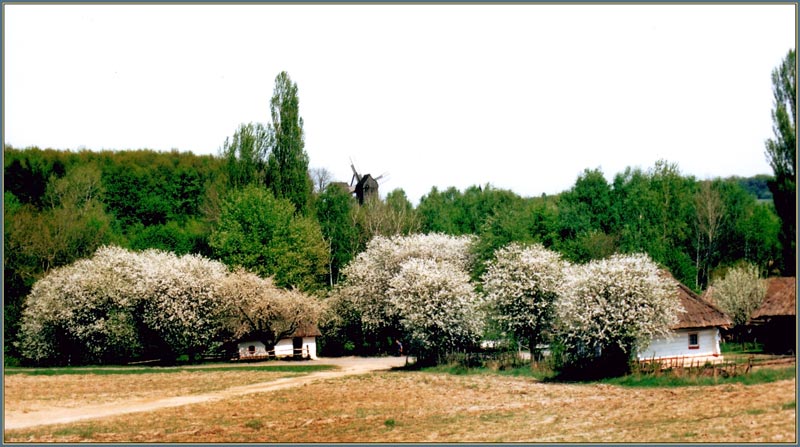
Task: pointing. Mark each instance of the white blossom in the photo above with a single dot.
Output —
(521, 285)
(418, 285)
(438, 307)
(95, 309)
(621, 302)
(740, 292)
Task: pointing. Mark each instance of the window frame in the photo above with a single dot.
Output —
(696, 336)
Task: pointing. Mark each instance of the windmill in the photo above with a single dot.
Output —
(365, 185)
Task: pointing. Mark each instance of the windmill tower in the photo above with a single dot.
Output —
(365, 185)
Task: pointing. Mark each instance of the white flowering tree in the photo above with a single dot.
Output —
(83, 312)
(259, 309)
(119, 305)
(612, 308)
(740, 292)
(373, 280)
(438, 307)
(521, 285)
(181, 302)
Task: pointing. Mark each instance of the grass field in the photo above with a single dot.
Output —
(414, 406)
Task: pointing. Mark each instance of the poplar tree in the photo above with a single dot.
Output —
(781, 153)
(287, 165)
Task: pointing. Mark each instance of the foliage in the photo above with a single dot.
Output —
(610, 309)
(456, 213)
(287, 164)
(711, 214)
(335, 208)
(376, 217)
(782, 155)
(71, 224)
(521, 285)
(379, 291)
(655, 211)
(523, 221)
(245, 155)
(262, 234)
(740, 292)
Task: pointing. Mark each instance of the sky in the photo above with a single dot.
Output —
(521, 96)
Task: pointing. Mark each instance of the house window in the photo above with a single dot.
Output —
(251, 349)
(694, 343)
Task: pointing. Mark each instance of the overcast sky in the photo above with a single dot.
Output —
(524, 97)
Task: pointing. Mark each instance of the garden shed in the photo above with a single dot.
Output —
(775, 321)
(695, 338)
(301, 344)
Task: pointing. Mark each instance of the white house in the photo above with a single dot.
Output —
(301, 344)
(695, 338)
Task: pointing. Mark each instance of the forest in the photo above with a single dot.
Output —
(256, 205)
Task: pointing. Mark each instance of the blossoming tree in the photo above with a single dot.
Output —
(121, 305)
(437, 306)
(257, 308)
(612, 308)
(740, 292)
(398, 282)
(521, 285)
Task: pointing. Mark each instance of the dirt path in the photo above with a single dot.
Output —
(347, 366)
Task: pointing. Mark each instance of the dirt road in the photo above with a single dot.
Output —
(347, 366)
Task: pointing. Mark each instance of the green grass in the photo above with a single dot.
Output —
(99, 370)
(741, 348)
(763, 375)
(520, 371)
(255, 424)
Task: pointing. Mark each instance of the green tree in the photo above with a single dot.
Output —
(335, 206)
(245, 155)
(526, 221)
(655, 211)
(287, 165)
(710, 217)
(782, 153)
(585, 219)
(262, 234)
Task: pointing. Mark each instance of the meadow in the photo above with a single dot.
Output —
(411, 406)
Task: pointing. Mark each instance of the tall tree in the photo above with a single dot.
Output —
(781, 153)
(262, 234)
(710, 214)
(287, 165)
(335, 206)
(245, 155)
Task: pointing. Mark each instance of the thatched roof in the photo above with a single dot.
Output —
(699, 313)
(780, 300)
(307, 330)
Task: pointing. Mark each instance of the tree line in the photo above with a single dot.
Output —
(254, 206)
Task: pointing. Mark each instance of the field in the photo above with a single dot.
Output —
(404, 406)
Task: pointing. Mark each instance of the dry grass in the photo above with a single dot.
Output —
(25, 393)
(425, 407)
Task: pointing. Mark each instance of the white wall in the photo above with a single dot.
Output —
(677, 345)
(284, 348)
(244, 351)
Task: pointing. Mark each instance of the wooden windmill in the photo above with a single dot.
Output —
(365, 185)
